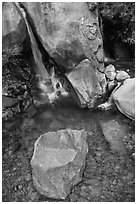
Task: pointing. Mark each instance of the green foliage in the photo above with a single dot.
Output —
(18, 80)
(122, 16)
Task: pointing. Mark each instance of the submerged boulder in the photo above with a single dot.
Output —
(58, 162)
(114, 133)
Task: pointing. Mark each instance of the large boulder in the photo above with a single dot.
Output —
(58, 162)
(70, 33)
(13, 26)
(124, 98)
(86, 84)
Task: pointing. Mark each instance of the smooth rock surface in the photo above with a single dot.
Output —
(122, 75)
(124, 98)
(58, 162)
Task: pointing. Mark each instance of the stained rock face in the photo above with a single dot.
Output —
(13, 26)
(58, 162)
(70, 33)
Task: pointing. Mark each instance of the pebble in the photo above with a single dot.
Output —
(82, 200)
(83, 193)
(28, 177)
(120, 184)
(19, 179)
(114, 182)
(14, 169)
(73, 197)
(95, 190)
(10, 152)
(20, 186)
(129, 176)
(33, 196)
(84, 188)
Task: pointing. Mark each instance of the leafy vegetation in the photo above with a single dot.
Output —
(121, 17)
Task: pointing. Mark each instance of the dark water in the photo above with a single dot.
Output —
(110, 173)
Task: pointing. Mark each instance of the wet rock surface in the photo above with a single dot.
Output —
(109, 175)
(71, 43)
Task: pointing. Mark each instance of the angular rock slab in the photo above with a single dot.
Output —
(89, 84)
(58, 162)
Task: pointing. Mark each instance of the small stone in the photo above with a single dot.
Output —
(33, 196)
(129, 176)
(82, 200)
(20, 186)
(84, 188)
(122, 75)
(73, 197)
(10, 152)
(20, 178)
(14, 169)
(114, 182)
(28, 177)
(120, 184)
(83, 194)
(99, 55)
(110, 72)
